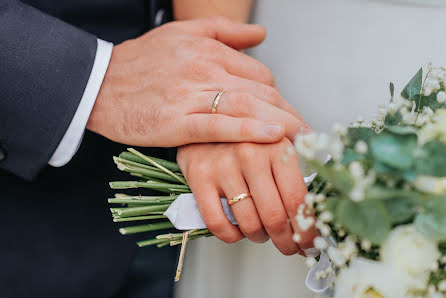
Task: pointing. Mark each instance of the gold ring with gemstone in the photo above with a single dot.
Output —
(239, 198)
(216, 100)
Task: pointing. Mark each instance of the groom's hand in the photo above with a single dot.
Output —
(270, 172)
(159, 88)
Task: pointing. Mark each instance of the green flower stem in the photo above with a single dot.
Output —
(119, 160)
(146, 228)
(143, 200)
(160, 242)
(147, 172)
(163, 187)
(135, 158)
(137, 211)
(146, 217)
(154, 163)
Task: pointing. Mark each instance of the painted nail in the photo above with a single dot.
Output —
(312, 252)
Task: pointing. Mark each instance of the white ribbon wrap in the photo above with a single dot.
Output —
(184, 215)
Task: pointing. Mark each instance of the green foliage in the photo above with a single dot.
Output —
(339, 178)
(413, 88)
(368, 219)
(432, 222)
(432, 159)
(351, 155)
(392, 119)
(401, 210)
(355, 134)
(393, 149)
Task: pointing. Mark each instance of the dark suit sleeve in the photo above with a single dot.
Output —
(44, 68)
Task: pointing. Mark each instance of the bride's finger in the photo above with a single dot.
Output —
(267, 201)
(211, 210)
(285, 167)
(244, 210)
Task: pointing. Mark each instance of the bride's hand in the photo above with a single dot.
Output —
(270, 172)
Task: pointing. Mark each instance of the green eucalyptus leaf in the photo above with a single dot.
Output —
(402, 130)
(331, 203)
(377, 192)
(414, 86)
(393, 119)
(392, 91)
(432, 222)
(394, 150)
(339, 178)
(422, 101)
(351, 155)
(368, 219)
(432, 159)
(401, 209)
(355, 134)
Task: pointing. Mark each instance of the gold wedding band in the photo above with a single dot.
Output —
(239, 198)
(216, 100)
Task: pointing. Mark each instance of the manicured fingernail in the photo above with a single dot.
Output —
(273, 129)
(305, 130)
(311, 252)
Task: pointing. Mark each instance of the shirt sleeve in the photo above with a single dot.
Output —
(72, 138)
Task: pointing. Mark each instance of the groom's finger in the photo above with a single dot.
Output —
(209, 128)
(245, 105)
(263, 92)
(241, 65)
(235, 35)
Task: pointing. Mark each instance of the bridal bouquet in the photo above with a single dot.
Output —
(379, 203)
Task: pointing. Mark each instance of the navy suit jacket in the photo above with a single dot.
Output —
(57, 238)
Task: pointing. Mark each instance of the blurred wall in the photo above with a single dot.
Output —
(333, 60)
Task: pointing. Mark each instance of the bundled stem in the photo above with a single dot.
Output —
(162, 176)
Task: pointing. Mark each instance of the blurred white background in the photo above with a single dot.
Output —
(333, 60)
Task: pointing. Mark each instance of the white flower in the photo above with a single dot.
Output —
(442, 285)
(320, 243)
(361, 147)
(430, 184)
(336, 256)
(326, 216)
(441, 97)
(364, 276)
(339, 129)
(310, 262)
(356, 170)
(411, 255)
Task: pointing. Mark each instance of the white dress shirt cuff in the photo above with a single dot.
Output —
(72, 139)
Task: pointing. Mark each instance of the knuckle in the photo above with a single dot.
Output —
(202, 169)
(246, 151)
(215, 225)
(208, 46)
(193, 131)
(268, 77)
(252, 229)
(245, 128)
(272, 95)
(276, 223)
